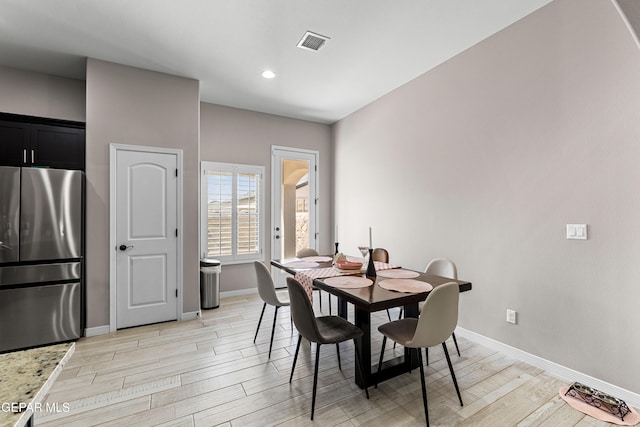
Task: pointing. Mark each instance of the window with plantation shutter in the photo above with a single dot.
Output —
(232, 212)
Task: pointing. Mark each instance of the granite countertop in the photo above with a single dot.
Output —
(25, 378)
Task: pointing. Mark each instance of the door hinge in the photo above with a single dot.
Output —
(176, 293)
(176, 232)
(315, 168)
(176, 173)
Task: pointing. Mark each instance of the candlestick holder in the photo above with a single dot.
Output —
(336, 253)
(371, 269)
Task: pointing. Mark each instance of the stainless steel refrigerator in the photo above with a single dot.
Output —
(41, 256)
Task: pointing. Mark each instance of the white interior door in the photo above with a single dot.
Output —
(146, 236)
(294, 204)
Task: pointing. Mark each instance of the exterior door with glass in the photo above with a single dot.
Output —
(294, 204)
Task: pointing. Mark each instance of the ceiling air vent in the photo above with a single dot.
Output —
(312, 41)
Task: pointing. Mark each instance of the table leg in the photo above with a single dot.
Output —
(363, 321)
(391, 368)
(342, 308)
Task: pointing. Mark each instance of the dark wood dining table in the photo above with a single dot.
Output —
(369, 300)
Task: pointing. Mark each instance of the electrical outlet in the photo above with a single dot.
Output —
(511, 316)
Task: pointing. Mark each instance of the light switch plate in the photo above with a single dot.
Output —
(577, 231)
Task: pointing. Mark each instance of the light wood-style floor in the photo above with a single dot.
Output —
(208, 372)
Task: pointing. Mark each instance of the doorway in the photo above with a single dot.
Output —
(145, 242)
(294, 203)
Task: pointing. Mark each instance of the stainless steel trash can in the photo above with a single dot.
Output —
(209, 283)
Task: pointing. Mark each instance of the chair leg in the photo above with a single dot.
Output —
(273, 330)
(295, 358)
(455, 341)
(259, 322)
(426, 354)
(389, 315)
(315, 380)
(384, 342)
(329, 297)
(338, 351)
(446, 353)
(320, 298)
(359, 363)
(401, 313)
(424, 387)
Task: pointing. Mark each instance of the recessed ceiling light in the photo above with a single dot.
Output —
(268, 74)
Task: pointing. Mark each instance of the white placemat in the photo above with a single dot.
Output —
(398, 273)
(302, 264)
(348, 282)
(317, 258)
(405, 285)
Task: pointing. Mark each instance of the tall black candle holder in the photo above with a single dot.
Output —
(371, 269)
(336, 253)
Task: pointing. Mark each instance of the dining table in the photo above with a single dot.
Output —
(369, 299)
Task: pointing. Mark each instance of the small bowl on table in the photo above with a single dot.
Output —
(348, 265)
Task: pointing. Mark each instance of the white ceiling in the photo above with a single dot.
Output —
(375, 46)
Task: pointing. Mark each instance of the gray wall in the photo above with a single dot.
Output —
(37, 94)
(486, 158)
(128, 105)
(240, 136)
(133, 106)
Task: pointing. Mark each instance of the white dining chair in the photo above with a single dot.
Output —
(440, 267)
(270, 296)
(438, 318)
(446, 268)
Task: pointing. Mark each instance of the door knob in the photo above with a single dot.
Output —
(124, 247)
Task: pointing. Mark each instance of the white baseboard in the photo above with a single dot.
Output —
(239, 292)
(191, 315)
(554, 369)
(105, 329)
(97, 330)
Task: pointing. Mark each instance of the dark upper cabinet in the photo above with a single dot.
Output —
(14, 143)
(57, 147)
(44, 145)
